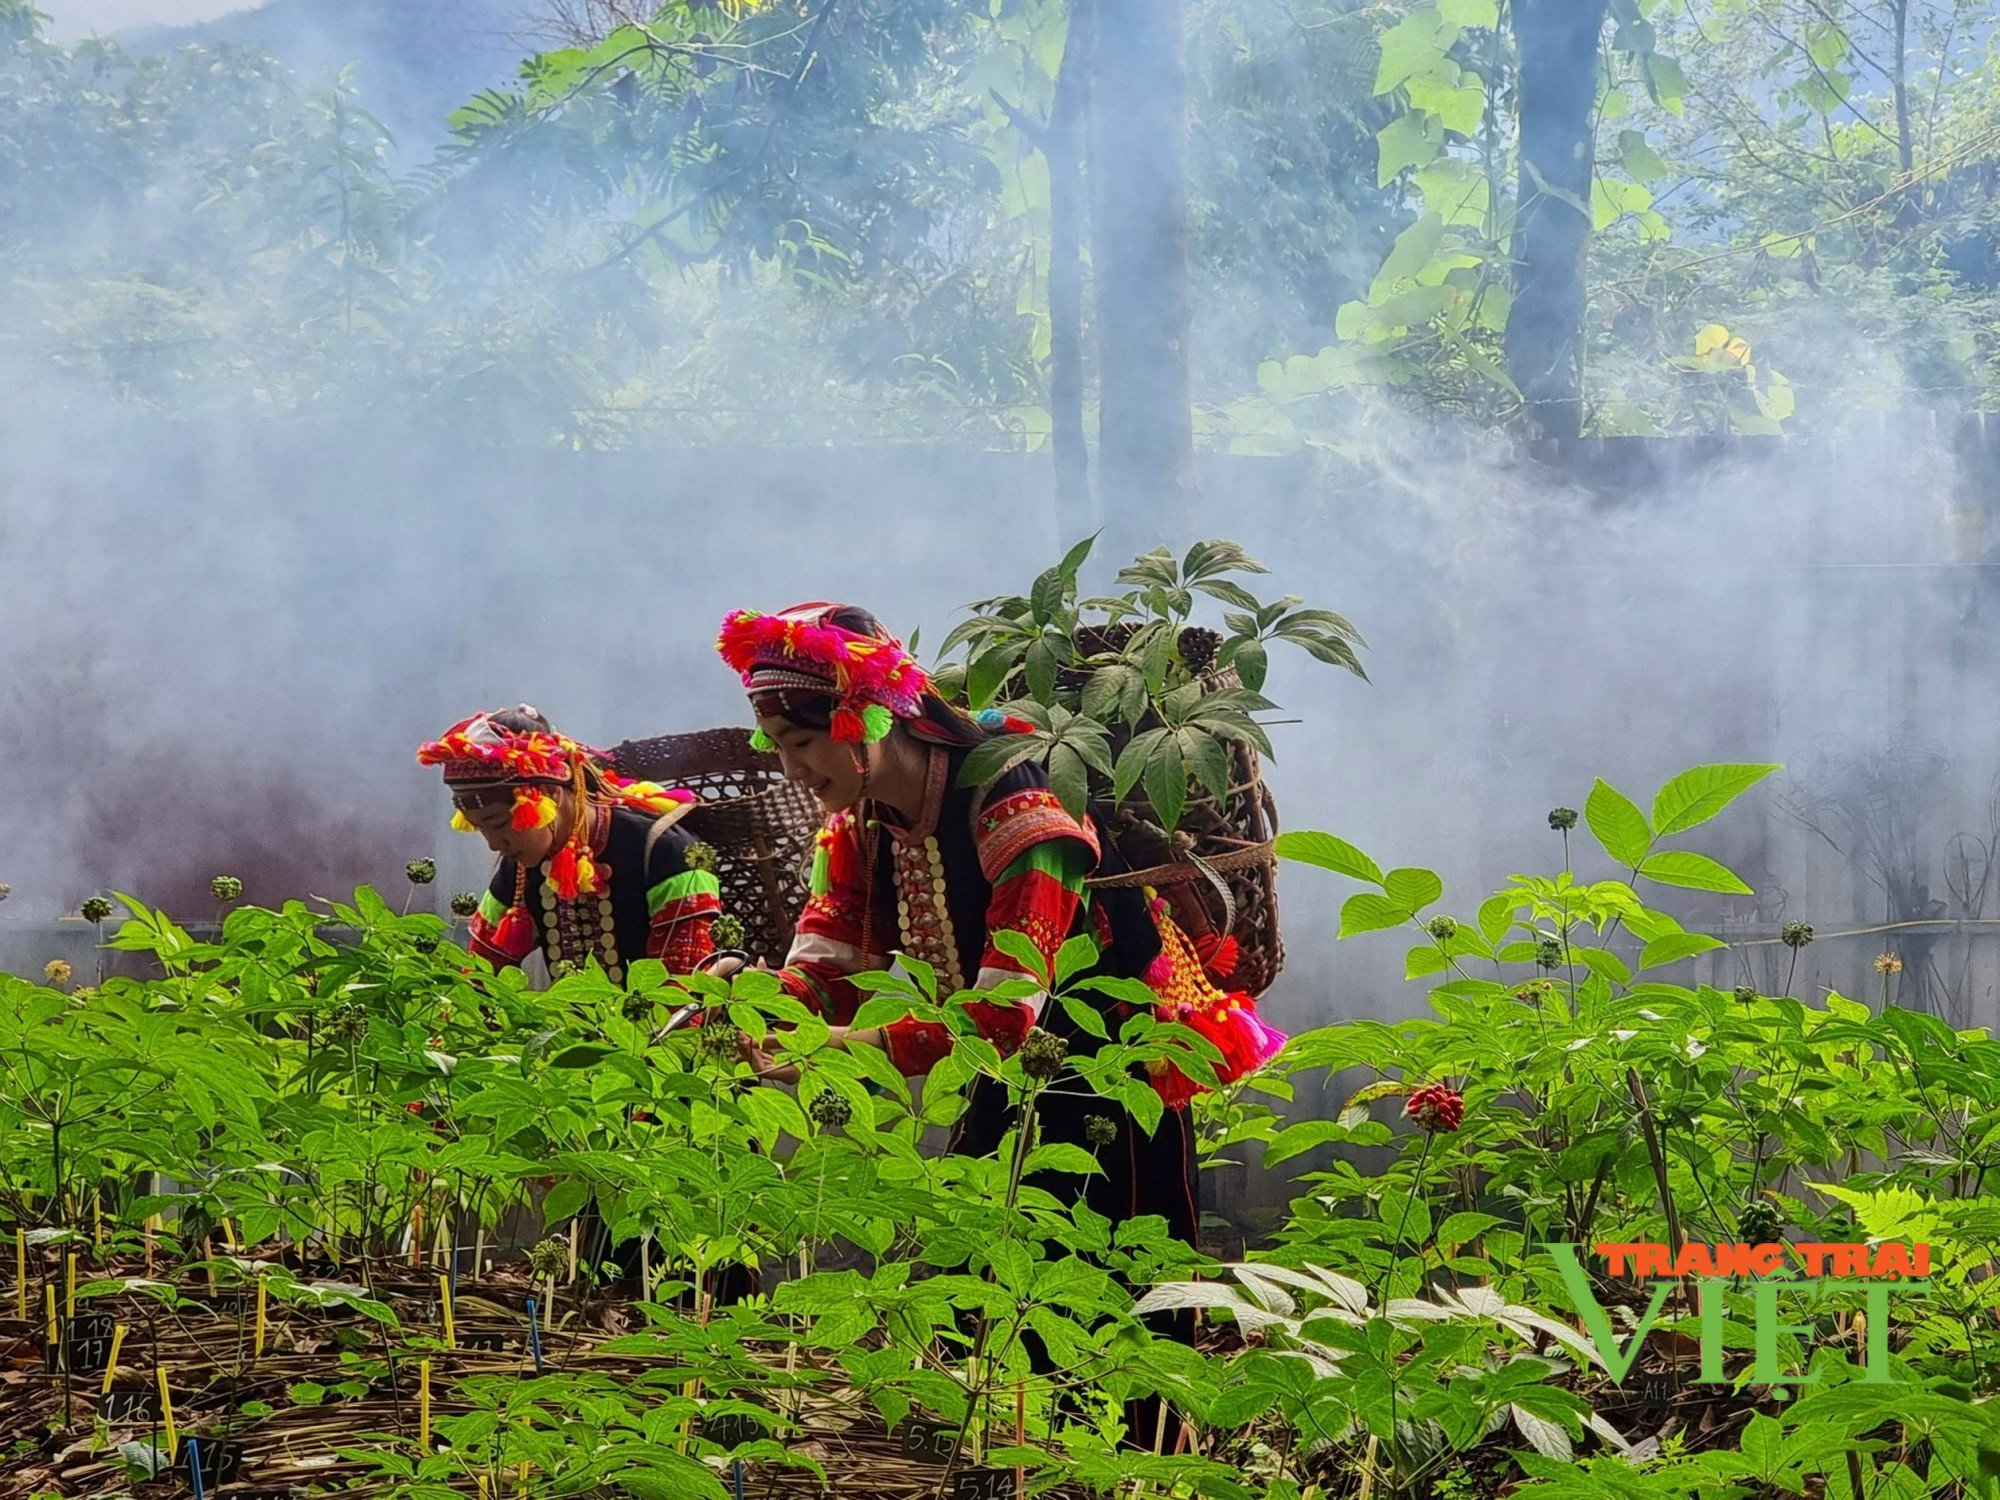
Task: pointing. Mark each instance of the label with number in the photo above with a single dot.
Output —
(219, 1461)
(89, 1344)
(983, 1484)
(929, 1442)
(732, 1428)
(130, 1406)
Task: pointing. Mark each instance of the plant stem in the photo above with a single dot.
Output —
(1024, 1134)
(1659, 1161)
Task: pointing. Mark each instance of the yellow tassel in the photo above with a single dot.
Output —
(460, 823)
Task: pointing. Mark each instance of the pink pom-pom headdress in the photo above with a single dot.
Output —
(873, 681)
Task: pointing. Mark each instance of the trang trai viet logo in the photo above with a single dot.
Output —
(1881, 1272)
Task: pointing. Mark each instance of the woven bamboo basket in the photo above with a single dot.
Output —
(760, 825)
(1218, 871)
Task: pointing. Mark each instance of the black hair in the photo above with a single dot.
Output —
(522, 720)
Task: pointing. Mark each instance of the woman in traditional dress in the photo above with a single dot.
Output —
(911, 861)
(591, 864)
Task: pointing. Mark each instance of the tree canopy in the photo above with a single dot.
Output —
(831, 219)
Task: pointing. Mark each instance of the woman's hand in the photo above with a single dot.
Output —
(724, 968)
(773, 1072)
(762, 1065)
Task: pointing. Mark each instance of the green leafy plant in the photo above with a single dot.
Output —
(1125, 693)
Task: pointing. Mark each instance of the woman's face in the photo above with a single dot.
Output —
(494, 822)
(817, 761)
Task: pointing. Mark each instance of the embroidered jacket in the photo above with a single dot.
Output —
(656, 906)
(976, 862)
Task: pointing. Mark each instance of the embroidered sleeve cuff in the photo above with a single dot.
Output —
(915, 1046)
(991, 977)
(699, 886)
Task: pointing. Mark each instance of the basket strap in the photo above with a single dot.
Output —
(1194, 867)
(661, 824)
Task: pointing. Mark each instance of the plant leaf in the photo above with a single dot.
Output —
(1697, 872)
(1329, 853)
(1618, 825)
(1696, 795)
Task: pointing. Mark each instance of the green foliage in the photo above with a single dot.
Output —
(1842, 1124)
(1404, 1321)
(850, 222)
(1123, 692)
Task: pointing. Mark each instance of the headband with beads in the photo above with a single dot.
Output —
(872, 680)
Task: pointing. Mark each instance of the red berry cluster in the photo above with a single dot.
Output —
(1436, 1107)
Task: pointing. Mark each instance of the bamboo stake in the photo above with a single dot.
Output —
(69, 1288)
(258, 1345)
(167, 1414)
(111, 1364)
(1020, 1435)
(444, 1302)
(55, 1327)
(424, 1404)
(21, 1274)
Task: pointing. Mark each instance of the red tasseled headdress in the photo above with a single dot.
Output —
(803, 649)
(480, 752)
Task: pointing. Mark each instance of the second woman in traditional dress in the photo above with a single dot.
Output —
(592, 866)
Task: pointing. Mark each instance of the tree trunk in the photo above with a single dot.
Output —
(1899, 76)
(1557, 42)
(1063, 149)
(1145, 453)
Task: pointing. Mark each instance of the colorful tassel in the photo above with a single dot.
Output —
(1189, 996)
(515, 932)
(534, 809)
(861, 671)
(460, 823)
(648, 796)
(562, 870)
(1219, 955)
(762, 742)
(822, 867)
(876, 722)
